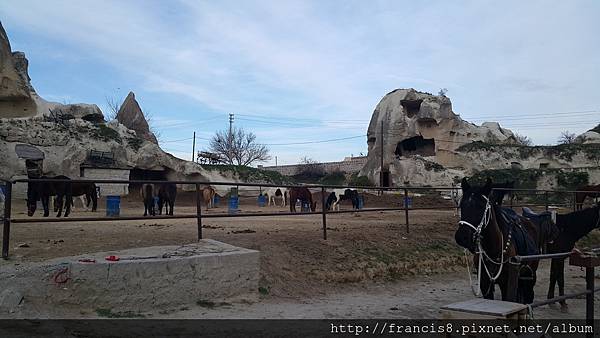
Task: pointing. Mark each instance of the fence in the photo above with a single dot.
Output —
(199, 215)
(576, 259)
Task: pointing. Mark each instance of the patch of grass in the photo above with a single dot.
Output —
(108, 313)
(135, 143)
(561, 151)
(360, 181)
(263, 290)
(335, 178)
(103, 132)
(249, 174)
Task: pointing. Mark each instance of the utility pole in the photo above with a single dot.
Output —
(194, 148)
(230, 123)
(381, 146)
(275, 160)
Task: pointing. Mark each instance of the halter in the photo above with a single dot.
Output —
(485, 220)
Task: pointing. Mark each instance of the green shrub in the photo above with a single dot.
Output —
(360, 181)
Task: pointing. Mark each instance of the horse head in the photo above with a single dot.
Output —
(474, 207)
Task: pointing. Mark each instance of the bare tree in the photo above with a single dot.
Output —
(310, 168)
(113, 107)
(523, 140)
(239, 147)
(566, 137)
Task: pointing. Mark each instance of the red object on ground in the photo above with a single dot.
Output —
(112, 258)
(87, 260)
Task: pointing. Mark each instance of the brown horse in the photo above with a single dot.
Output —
(304, 195)
(484, 229)
(147, 192)
(585, 191)
(167, 193)
(573, 226)
(208, 195)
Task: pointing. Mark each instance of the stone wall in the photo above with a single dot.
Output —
(109, 174)
(348, 165)
(144, 279)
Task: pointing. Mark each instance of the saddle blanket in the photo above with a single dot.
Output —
(524, 244)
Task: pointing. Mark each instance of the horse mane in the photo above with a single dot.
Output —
(577, 224)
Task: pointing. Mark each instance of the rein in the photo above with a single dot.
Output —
(485, 220)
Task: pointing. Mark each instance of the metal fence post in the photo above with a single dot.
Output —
(324, 213)
(546, 200)
(199, 210)
(6, 228)
(406, 209)
(589, 298)
(574, 201)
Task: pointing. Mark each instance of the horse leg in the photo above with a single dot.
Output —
(553, 279)
(561, 285)
(94, 199)
(68, 202)
(145, 208)
(45, 205)
(59, 204)
(487, 287)
(171, 204)
(511, 285)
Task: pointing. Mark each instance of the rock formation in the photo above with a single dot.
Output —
(15, 97)
(590, 136)
(131, 116)
(416, 123)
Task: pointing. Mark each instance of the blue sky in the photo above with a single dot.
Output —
(297, 71)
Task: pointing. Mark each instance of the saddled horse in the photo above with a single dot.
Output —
(148, 193)
(273, 192)
(586, 191)
(304, 195)
(495, 235)
(167, 193)
(572, 226)
(208, 196)
(37, 191)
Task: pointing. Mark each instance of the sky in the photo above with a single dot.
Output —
(307, 71)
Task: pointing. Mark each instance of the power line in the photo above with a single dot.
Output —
(313, 142)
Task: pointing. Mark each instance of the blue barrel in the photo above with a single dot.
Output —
(113, 206)
(216, 200)
(233, 205)
(305, 207)
(361, 202)
(262, 200)
(408, 202)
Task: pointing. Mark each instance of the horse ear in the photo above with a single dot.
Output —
(487, 188)
(464, 184)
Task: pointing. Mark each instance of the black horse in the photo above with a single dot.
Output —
(167, 192)
(495, 235)
(147, 194)
(573, 226)
(37, 191)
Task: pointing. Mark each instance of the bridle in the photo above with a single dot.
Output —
(477, 237)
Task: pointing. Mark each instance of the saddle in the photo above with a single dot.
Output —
(544, 221)
(524, 244)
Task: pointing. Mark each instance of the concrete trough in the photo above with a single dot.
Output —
(160, 277)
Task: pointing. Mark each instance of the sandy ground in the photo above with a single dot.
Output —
(368, 267)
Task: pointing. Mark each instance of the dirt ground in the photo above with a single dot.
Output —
(368, 267)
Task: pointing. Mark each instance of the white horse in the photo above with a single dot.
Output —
(273, 192)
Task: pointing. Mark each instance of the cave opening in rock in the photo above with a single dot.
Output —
(145, 174)
(416, 145)
(411, 107)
